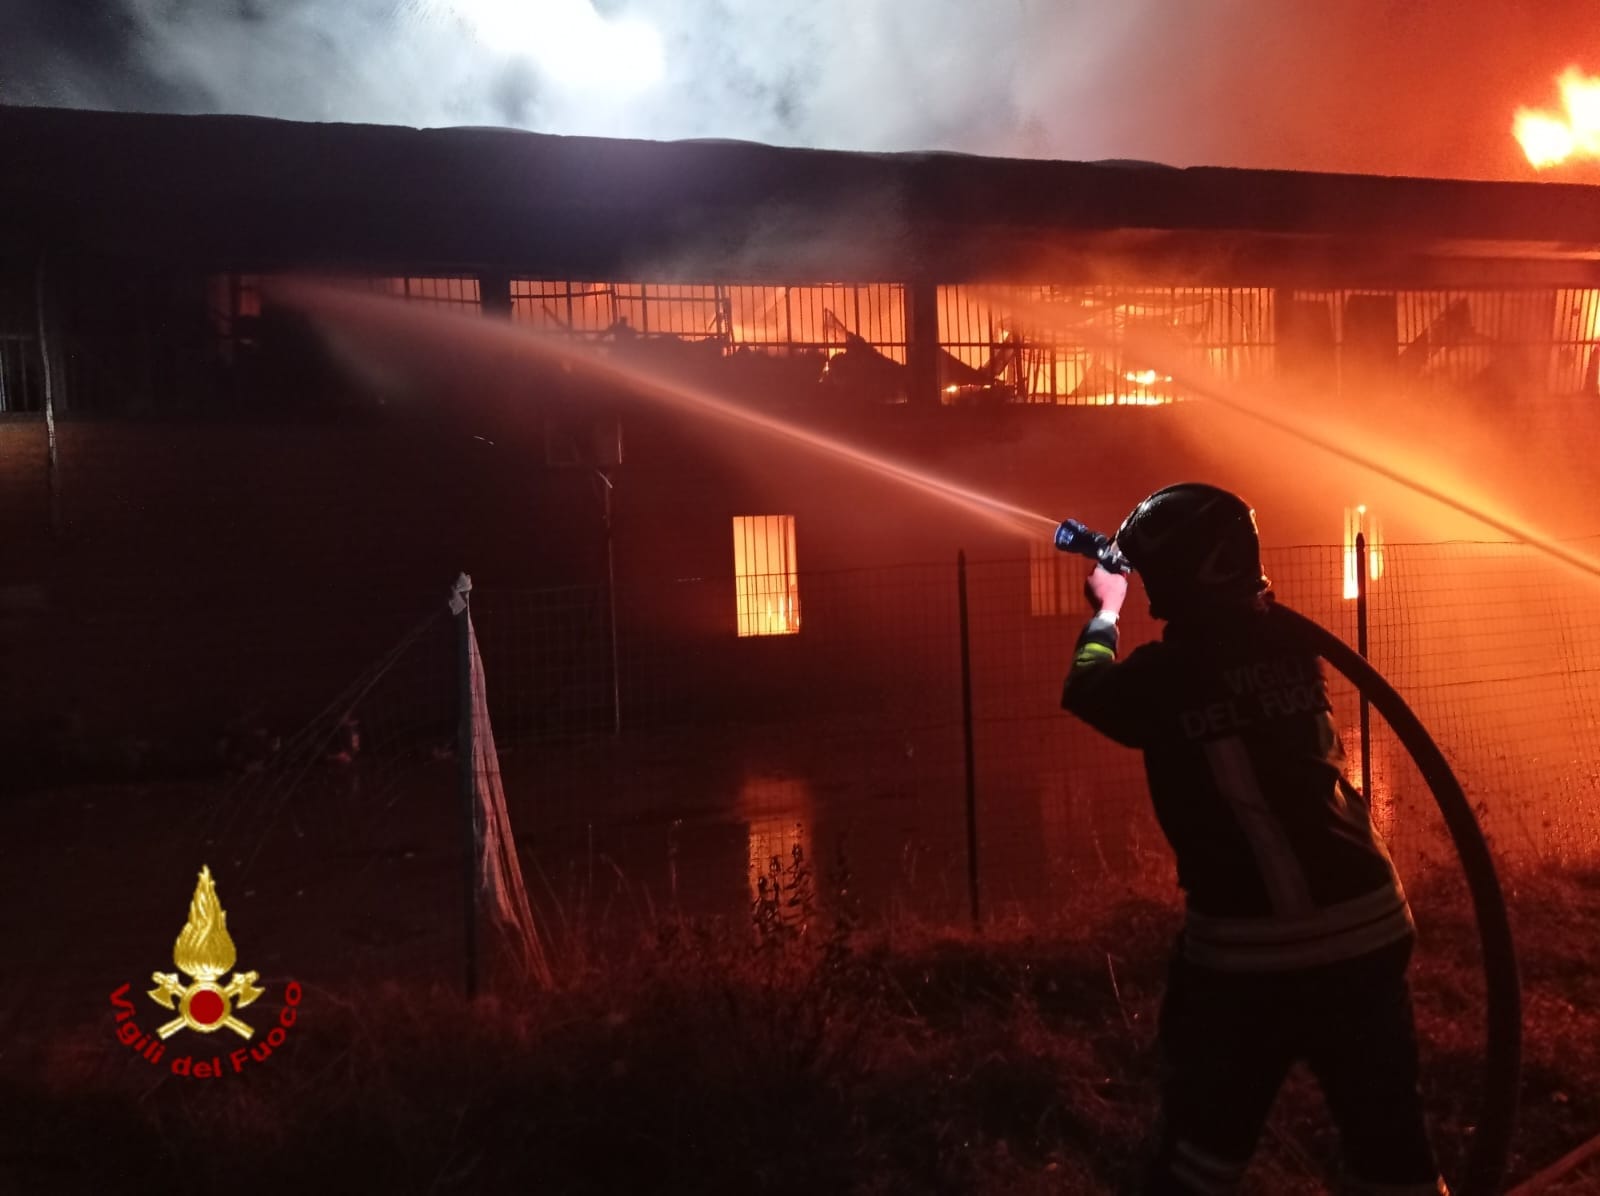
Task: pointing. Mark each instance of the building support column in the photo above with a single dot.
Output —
(922, 343)
(494, 290)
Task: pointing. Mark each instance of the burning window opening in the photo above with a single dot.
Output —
(1357, 519)
(785, 320)
(789, 343)
(767, 587)
(1575, 356)
(995, 359)
(1054, 581)
(781, 344)
(1495, 341)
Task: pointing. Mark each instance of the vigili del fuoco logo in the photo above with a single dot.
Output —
(204, 952)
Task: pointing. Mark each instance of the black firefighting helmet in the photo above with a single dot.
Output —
(1196, 548)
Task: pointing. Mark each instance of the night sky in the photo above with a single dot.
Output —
(1427, 87)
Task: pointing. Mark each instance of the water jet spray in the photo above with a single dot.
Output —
(1502, 1057)
(1156, 349)
(504, 339)
(1490, 1145)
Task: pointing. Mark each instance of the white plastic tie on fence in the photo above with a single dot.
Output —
(499, 871)
(459, 592)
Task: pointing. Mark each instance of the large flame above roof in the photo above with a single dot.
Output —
(1549, 138)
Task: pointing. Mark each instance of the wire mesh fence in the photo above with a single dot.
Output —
(705, 754)
(654, 758)
(847, 737)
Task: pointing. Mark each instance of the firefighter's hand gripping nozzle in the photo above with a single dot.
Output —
(1074, 537)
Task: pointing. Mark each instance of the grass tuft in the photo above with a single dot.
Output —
(789, 1053)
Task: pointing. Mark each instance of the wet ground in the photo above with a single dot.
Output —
(352, 871)
(337, 873)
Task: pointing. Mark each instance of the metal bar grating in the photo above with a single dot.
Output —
(1077, 356)
(766, 584)
(771, 319)
(1053, 586)
(445, 291)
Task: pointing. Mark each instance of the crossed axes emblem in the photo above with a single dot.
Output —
(215, 1002)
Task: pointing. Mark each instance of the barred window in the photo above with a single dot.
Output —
(1575, 364)
(1535, 338)
(767, 587)
(450, 292)
(1070, 345)
(775, 319)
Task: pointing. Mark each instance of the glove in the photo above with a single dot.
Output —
(1106, 590)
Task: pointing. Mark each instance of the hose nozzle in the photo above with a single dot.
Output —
(1080, 540)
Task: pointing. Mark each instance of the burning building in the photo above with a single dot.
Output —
(212, 501)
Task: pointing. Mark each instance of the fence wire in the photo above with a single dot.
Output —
(654, 758)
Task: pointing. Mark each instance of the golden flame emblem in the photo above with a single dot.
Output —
(205, 951)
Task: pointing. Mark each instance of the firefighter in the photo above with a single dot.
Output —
(1297, 934)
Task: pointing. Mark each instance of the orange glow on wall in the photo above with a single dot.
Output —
(1549, 138)
(1359, 520)
(767, 585)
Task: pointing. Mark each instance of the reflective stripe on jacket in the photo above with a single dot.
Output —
(1276, 851)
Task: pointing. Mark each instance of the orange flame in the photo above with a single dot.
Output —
(764, 567)
(1358, 521)
(1549, 139)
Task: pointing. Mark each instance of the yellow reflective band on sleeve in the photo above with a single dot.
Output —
(1092, 654)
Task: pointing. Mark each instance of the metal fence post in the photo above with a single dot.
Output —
(1361, 647)
(967, 736)
(466, 748)
(611, 602)
(52, 456)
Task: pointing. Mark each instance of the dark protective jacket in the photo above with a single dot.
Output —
(1276, 851)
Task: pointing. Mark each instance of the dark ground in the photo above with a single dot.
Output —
(820, 1047)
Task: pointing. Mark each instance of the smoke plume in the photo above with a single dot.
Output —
(1424, 88)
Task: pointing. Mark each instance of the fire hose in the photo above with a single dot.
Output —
(1502, 1061)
